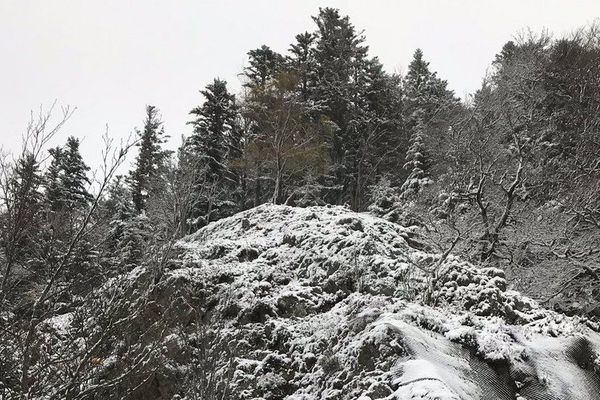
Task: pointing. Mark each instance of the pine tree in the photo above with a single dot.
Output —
(53, 180)
(424, 91)
(74, 180)
(302, 62)
(264, 64)
(149, 160)
(215, 119)
(417, 162)
(340, 56)
(20, 214)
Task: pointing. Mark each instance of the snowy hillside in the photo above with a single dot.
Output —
(323, 303)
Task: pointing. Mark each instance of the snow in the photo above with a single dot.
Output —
(60, 323)
(302, 259)
(325, 303)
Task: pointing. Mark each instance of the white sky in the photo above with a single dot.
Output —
(111, 58)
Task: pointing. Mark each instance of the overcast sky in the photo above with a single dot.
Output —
(111, 58)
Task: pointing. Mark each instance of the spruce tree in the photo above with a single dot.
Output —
(149, 159)
(340, 56)
(424, 91)
(20, 214)
(206, 156)
(302, 62)
(67, 200)
(66, 188)
(264, 64)
(74, 178)
(417, 162)
(215, 119)
(53, 180)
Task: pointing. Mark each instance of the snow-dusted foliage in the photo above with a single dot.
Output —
(292, 303)
(324, 303)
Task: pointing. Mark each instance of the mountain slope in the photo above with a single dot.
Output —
(323, 303)
(334, 295)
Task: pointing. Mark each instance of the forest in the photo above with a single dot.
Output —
(506, 178)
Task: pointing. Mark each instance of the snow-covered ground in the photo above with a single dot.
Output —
(325, 303)
(343, 291)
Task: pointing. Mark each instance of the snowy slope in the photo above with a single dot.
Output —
(325, 303)
(340, 294)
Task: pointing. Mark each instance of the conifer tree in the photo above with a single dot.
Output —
(66, 193)
(424, 91)
(67, 198)
(74, 180)
(264, 64)
(215, 119)
(133, 241)
(302, 62)
(206, 155)
(340, 56)
(20, 213)
(149, 159)
(417, 162)
(53, 180)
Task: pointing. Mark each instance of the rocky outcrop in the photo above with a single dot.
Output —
(323, 303)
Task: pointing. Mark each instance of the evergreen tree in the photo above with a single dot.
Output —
(20, 214)
(66, 199)
(129, 231)
(53, 180)
(25, 198)
(118, 208)
(133, 242)
(429, 108)
(374, 149)
(302, 62)
(215, 119)
(206, 155)
(339, 55)
(149, 160)
(424, 91)
(264, 64)
(417, 161)
(73, 179)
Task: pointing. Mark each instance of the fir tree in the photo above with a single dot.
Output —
(149, 160)
(417, 162)
(53, 180)
(340, 56)
(20, 215)
(302, 62)
(133, 241)
(206, 156)
(424, 91)
(215, 120)
(73, 179)
(264, 64)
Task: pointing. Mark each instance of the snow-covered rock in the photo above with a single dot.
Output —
(328, 304)
(325, 303)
